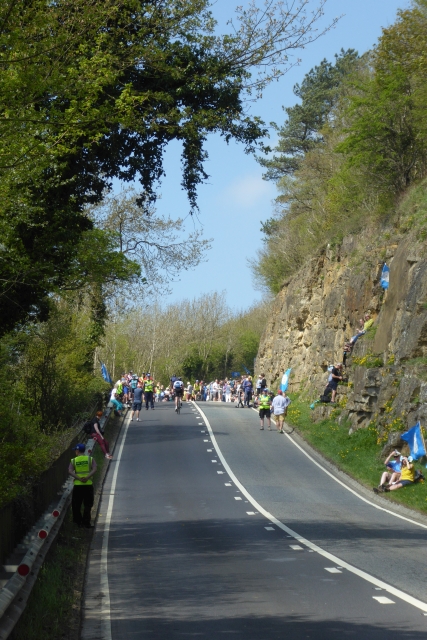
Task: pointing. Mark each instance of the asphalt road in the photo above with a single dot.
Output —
(180, 550)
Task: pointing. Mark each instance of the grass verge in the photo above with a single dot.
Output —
(357, 454)
(53, 609)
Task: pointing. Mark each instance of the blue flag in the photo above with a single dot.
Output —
(385, 277)
(235, 374)
(415, 440)
(246, 369)
(285, 380)
(105, 374)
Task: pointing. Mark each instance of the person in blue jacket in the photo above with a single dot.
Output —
(248, 389)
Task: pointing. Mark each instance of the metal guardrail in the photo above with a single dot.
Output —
(15, 593)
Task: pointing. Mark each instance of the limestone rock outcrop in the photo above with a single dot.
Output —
(319, 308)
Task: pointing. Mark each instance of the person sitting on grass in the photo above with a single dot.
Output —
(394, 467)
(407, 476)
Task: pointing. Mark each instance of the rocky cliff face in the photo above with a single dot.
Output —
(319, 308)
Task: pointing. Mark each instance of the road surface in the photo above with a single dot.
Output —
(210, 528)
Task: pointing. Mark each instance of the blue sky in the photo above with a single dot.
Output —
(236, 197)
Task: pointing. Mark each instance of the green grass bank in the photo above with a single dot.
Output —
(357, 454)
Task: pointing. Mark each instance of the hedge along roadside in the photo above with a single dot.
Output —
(22, 582)
(54, 603)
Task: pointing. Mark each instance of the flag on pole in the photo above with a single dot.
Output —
(105, 374)
(385, 276)
(285, 380)
(415, 440)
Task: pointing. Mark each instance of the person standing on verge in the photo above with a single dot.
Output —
(97, 435)
(149, 391)
(82, 468)
(137, 401)
(264, 409)
(280, 406)
(248, 389)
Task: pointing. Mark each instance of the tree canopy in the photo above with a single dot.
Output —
(349, 149)
(92, 90)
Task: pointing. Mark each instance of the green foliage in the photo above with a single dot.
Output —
(358, 454)
(302, 131)
(91, 91)
(370, 145)
(370, 361)
(48, 382)
(54, 380)
(198, 339)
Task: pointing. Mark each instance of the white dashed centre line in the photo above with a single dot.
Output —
(296, 547)
(227, 484)
(332, 570)
(205, 440)
(237, 498)
(269, 528)
(209, 450)
(383, 600)
(251, 513)
(311, 546)
(220, 471)
(214, 461)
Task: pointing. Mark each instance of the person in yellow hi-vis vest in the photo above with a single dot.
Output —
(149, 389)
(82, 468)
(265, 408)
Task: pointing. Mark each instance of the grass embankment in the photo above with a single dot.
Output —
(357, 454)
(53, 609)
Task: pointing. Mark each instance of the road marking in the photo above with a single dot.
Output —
(237, 498)
(209, 450)
(199, 424)
(269, 528)
(331, 475)
(329, 556)
(220, 471)
(296, 547)
(214, 460)
(251, 513)
(332, 570)
(105, 586)
(227, 484)
(203, 432)
(205, 440)
(383, 600)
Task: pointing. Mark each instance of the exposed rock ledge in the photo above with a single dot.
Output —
(319, 308)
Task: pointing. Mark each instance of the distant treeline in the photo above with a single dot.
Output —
(196, 339)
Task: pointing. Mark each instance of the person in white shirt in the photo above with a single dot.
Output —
(116, 403)
(280, 406)
(189, 391)
(215, 389)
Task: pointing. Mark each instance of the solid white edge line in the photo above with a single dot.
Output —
(105, 586)
(334, 559)
(331, 475)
